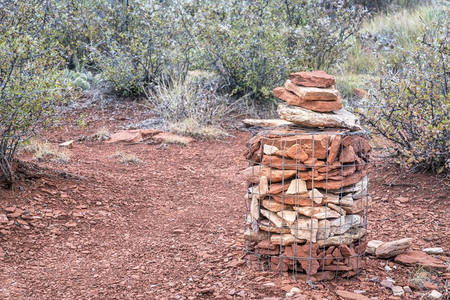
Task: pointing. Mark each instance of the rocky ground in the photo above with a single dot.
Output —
(171, 228)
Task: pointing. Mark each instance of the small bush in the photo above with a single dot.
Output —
(411, 105)
(44, 151)
(192, 104)
(128, 158)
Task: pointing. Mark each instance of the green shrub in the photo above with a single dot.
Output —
(411, 105)
(254, 44)
(30, 85)
(192, 104)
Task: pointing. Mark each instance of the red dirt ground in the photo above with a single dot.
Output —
(172, 227)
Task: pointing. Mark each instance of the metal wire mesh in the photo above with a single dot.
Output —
(307, 200)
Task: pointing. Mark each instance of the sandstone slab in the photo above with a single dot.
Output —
(347, 238)
(305, 229)
(320, 212)
(312, 93)
(351, 296)
(288, 216)
(132, 136)
(272, 205)
(393, 248)
(297, 186)
(254, 173)
(171, 138)
(317, 106)
(419, 258)
(372, 246)
(282, 239)
(266, 122)
(268, 226)
(308, 118)
(315, 79)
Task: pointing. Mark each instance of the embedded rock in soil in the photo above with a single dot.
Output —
(312, 94)
(132, 136)
(419, 258)
(315, 79)
(397, 291)
(301, 116)
(433, 250)
(317, 106)
(166, 137)
(351, 296)
(391, 249)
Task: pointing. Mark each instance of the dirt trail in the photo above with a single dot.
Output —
(171, 227)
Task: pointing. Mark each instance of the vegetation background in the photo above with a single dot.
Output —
(196, 62)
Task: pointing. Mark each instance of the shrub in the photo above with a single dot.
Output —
(254, 44)
(411, 105)
(30, 86)
(191, 104)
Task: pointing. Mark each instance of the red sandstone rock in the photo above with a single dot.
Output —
(132, 136)
(337, 184)
(320, 142)
(319, 106)
(253, 174)
(348, 155)
(315, 78)
(351, 296)
(312, 93)
(419, 258)
(334, 149)
(295, 152)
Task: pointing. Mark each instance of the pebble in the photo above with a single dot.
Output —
(435, 295)
(387, 268)
(387, 284)
(407, 289)
(375, 279)
(397, 291)
(433, 250)
(359, 292)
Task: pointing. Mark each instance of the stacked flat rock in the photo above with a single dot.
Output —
(308, 189)
(312, 101)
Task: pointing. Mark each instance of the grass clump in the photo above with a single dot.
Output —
(192, 105)
(102, 134)
(128, 159)
(44, 151)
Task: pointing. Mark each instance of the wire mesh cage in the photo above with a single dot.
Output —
(307, 200)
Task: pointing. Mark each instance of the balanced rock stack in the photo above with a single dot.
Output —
(308, 187)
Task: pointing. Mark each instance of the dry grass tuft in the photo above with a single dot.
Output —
(44, 151)
(128, 159)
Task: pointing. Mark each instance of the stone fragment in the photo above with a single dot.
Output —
(397, 291)
(305, 228)
(407, 289)
(335, 199)
(312, 93)
(282, 239)
(357, 207)
(277, 162)
(297, 200)
(171, 138)
(254, 236)
(324, 230)
(344, 223)
(348, 155)
(295, 152)
(358, 190)
(347, 238)
(3, 219)
(272, 205)
(253, 174)
(269, 149)
(391, 249)
(308, 118)
(337, 208)
(297, 186)
(334, 148)
(372, 246)
(132, 136)
(320, 212)
(433, 250)
(317, 106)
(288, 216)
(254, 207)
(315, 79)
(419, 258)
(262, 189)
(387, 284)
(337, 184)
(273, 217)
(316, 196)
(268, 226)
(350, 295)
(359, 143)
(68, 144)
(266, 122)
(434, 295)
